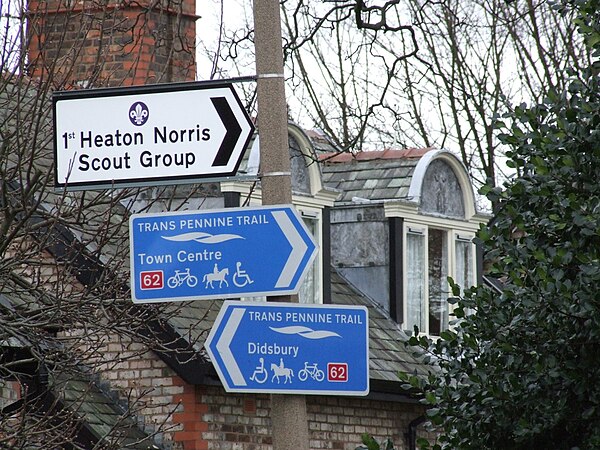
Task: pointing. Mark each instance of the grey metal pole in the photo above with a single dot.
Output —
(288, 412)
(272, 106)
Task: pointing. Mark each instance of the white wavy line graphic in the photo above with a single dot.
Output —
(203, 238)
(305, 332)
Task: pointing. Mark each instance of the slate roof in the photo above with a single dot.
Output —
(387, 353)
(380, 175)
(101, 416)
(77, 395)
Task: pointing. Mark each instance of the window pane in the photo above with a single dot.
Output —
(415, 281)
(309, 289)
(464, 264)
(438, 281)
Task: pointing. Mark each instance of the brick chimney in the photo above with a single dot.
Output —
(97, 43)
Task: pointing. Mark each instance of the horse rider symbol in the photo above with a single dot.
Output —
(281, 370)
(216, 275)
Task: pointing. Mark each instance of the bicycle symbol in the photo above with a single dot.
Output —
(312, 370)
(260, 374)
(181, 277)
(240, 277)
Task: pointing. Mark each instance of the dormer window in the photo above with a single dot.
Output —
(435, 225)
(404, 222)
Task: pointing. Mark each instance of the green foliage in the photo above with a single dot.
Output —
(522, 372)
(369, 443)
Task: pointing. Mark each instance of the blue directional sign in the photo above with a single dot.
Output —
(228, 253)
(289, 348)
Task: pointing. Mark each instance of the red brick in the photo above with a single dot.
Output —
(182, 436)
(127, 17)
(198, 425)
(186, 417)
(186, 399)
(178, 381)
(195, 445)
(249, 406)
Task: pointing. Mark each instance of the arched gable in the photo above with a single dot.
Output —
(306, 175)
(441, 186)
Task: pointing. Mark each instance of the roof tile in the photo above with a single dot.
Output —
(376, 172)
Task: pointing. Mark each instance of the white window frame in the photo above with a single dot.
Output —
(316, 267)
(464, 237)
(454, 232)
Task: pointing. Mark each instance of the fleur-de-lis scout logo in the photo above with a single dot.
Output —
(138, 113)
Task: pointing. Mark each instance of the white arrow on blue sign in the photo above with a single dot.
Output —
(289, 348)
(227, 253)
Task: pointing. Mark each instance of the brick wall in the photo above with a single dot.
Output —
(212, 419)
(93, 43)
(207, 418)
(339, 422)
(153, 391)
(10, 392)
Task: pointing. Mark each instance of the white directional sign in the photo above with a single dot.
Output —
(291, 348)
(227, 253)
(172, 133)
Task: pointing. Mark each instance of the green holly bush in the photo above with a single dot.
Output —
(520, 368)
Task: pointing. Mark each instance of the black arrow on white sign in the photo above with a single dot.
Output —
(232, 134)
(191, 131)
